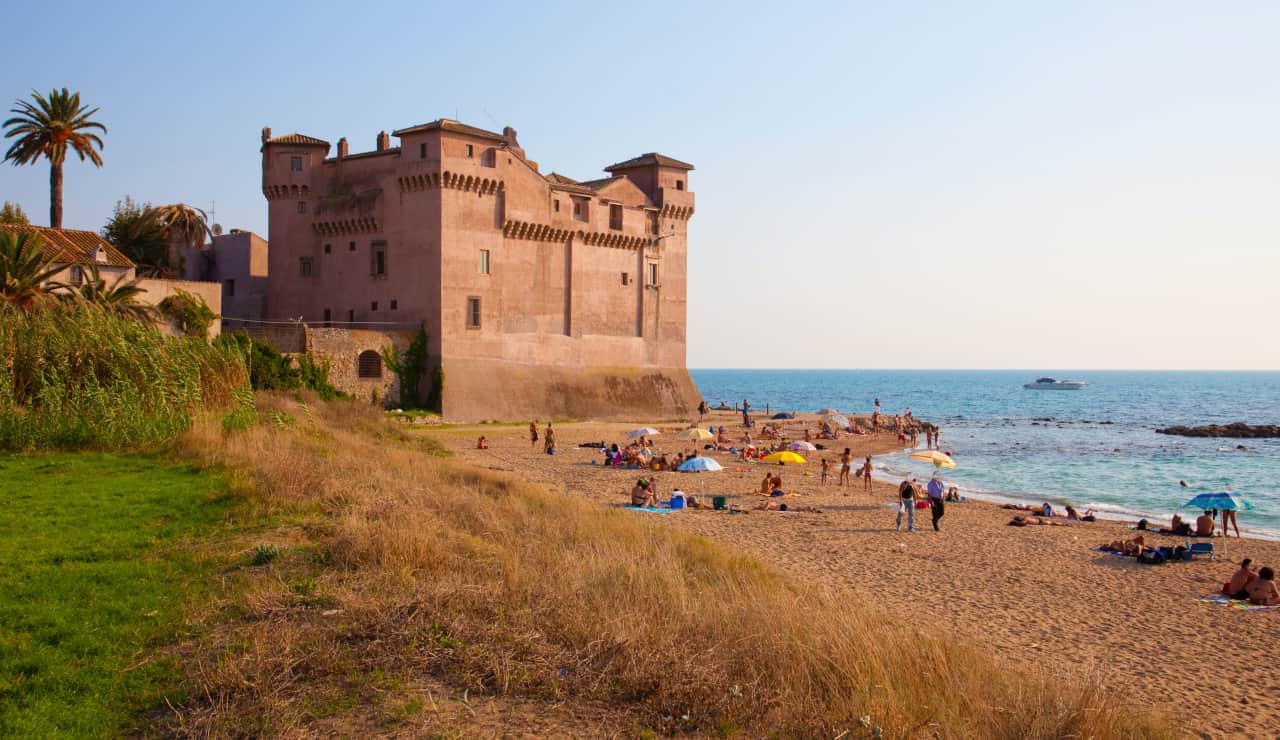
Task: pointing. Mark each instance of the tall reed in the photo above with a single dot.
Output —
(77, 376)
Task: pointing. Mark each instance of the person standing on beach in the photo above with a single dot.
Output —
(937, 492)
(826, 470)
(702, 409)
(533, 433)
(1229, 515)
(746, 413)
(550, 441)
(928, 438)
(846, 463)
(906, 503)
(866, 475)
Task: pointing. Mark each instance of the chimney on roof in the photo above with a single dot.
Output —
(384, 141)
(266, 133)
(342, 147)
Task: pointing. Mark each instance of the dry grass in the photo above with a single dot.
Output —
(497, 587)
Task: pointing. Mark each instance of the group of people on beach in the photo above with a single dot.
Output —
(936, 494)
(1256, 588)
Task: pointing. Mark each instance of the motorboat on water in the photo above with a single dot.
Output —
(1049, 384)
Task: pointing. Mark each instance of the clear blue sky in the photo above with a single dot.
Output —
(1028, 185)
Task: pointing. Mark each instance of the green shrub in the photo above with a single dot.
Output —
(263, 554)
(190, 312)
(271, 371)
(408, 367)
(77, 377)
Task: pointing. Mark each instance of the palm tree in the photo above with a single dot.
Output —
(25, 272)
(185, 228)
(44, 130)
(120, 297)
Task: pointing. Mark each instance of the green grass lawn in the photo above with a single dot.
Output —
(95, 570)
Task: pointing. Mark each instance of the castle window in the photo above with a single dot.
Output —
(473, 312)
(679, 184)
(302, 206)
(230, 287)
(393, 304)
(327, 316)
(373, 305)
(351, 316)
(626, 278)
(615, 217)
(378, 259)
(556, 205)
(651, 274)
(369, 364)
(327, 247)
(422, 150)
(471, 151)
(351, 246)
(77, 275)
(580, 209)
(489, 158)
(295, 164)
(484, 262)
(304, 266)
(653, 223)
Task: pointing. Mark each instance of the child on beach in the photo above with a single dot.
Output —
(533, 433)
(826, 470)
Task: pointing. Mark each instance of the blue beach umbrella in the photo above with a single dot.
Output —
(699, 465)
(1220, 500)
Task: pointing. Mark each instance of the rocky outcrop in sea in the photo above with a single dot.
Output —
(1236, 429)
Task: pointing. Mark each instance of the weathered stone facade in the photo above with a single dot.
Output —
(541, 295)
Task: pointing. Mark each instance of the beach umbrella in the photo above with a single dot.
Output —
(699, 465)
(939, 459)
(643, 432)
(697, 433)
(839, 420)
(784, 457)
(801, 446)
(1221, 500)
(828, 412)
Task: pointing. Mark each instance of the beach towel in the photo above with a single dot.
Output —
(1235, 603)
(652, 510)
(1105, 551)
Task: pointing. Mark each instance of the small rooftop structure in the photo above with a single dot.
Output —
(74, 246)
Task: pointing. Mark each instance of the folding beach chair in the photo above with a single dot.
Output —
(1203, 548)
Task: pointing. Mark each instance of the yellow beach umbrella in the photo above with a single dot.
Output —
(939, 459)
(785, 456)
(696, 433)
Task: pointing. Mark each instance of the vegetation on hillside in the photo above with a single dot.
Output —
(417, 568)
(269, 370)
(47, 127)
(101, 571)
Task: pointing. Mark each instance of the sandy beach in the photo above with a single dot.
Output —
(1035, 596)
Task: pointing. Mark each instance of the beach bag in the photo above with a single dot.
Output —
(1151, 557)
(907, 493)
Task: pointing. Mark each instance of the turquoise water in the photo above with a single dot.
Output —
(1099, 449)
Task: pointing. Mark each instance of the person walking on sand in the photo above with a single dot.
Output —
(846, 464)
(702, 409)
(937, 492)
(906, 503)
(550, 441)
(866, 475)
(533, 433)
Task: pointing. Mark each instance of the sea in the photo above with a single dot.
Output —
(1092, 448)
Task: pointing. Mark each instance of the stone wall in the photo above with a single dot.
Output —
(157, 290)
(286, 338)
(476, 390)
(342, 349)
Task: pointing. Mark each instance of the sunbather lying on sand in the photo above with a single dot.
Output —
(1027, 521)
(1134, 546)
(775, 506)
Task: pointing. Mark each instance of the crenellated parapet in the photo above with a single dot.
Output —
(280, 192)
(346, 226)
(450, 181)
(547, 233)
(679, 213)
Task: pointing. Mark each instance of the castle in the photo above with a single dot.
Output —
(541, 296)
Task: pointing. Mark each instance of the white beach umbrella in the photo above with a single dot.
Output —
(642, 432)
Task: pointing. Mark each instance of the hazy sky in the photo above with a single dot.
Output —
(1027, 185)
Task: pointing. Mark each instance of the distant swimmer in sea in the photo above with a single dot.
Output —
(1182, 483)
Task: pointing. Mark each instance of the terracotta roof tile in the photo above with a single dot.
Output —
(560, 179)
(448, 124)
(72, 246)
(296, 138)
(598, 184)
(651, 158)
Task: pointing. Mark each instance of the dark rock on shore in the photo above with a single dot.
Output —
(1237, 430)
